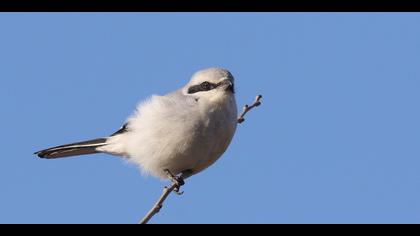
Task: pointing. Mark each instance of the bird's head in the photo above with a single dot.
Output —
(212, 84)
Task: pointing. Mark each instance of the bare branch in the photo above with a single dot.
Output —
(177, 182)
(158, 205)
(248, 108)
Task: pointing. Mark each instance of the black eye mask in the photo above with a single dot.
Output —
(205, 86)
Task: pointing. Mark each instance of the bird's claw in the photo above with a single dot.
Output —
(177, 180)
(176, 190)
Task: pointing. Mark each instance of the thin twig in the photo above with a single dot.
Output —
(175, 184)
(158, 205)
(248, 108)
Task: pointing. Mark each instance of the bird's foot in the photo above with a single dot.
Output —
(177, 180)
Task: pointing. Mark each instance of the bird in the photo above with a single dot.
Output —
(173, 136)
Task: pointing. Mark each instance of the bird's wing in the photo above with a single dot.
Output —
(123, 129)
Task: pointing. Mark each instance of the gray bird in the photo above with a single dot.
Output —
(175, 135)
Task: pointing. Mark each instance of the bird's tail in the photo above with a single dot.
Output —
(72, 149)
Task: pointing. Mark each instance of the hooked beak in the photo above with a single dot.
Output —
(228, 85)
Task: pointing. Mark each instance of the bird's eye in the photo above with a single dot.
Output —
(205, 86)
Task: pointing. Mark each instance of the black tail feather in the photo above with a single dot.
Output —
(72, 149)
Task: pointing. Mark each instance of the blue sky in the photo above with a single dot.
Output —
(336, 139)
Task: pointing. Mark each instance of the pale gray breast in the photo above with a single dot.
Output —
(216, 135)
(209, 134)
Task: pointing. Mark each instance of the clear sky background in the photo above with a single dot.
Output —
(336, 139)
